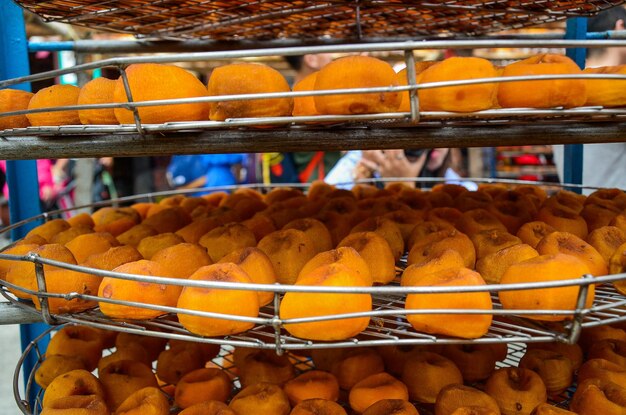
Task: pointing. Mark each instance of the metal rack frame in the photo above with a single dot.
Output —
(25, 196)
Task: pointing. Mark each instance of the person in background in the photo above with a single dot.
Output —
(204, 170)
(305, 65)
(300, 167)
(437, 162)
(49, 189)
(411, 163)
(604, 165)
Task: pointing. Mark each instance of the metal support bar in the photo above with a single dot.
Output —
(573, 154)
(129, 98)
(277, 324)
(201, 45)
(581, 302)
(351, 48)
(411, 80)
(21, 175)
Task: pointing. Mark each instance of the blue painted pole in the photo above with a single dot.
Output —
(573, 154)
(21, 174)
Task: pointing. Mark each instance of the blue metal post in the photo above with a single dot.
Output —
(573, 154)
(22, 174)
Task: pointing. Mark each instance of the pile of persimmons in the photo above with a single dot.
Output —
(141, 375)
(331, 238)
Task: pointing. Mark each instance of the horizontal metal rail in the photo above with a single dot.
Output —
(197, 45)
(292, 51)
(280, 288)
(501, 331)
(297, 94)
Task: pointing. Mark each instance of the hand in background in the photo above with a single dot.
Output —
(392, 163)
(106, 162)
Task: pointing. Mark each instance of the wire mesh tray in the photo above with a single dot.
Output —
(268, 20)
(388, 323)
(347, 123)
(416, 117)
(224, 361)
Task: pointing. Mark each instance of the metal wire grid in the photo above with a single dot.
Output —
(388, 324)
(388, 316)
(497, 117)
(347, 19)
(397, 119)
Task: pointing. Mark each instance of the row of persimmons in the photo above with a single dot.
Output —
(453, 237)
(370, 381)
(149, 82)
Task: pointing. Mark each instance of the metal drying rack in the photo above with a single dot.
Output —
(348, 20)
(326, 132)
(388, 316)
(337, 21)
